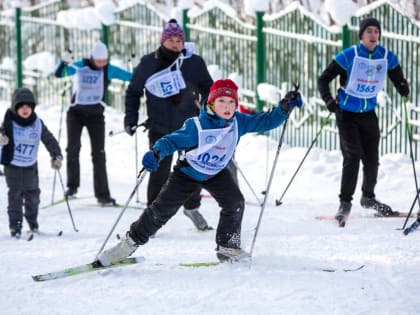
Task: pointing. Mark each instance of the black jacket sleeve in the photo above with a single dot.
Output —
(396, 75)
(134, 92)
(50, 142)
(330, 73)
(59, 71)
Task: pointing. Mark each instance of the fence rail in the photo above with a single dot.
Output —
(292, 46)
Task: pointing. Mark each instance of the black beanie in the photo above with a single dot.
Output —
(365, 23)
(22, 96)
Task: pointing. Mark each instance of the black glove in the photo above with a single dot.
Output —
(332, 105)
(290, 101)
(403, 88)
(130, 129)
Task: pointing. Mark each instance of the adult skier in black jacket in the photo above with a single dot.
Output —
(174, 81)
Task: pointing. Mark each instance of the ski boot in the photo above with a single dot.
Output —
(122, 250)
(343, 213)
(107, 202)
(227, 254)
(197, 218)
(15, 233)
(70, 193)
(383, 209)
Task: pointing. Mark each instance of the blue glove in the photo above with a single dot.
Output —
(291, 100)
(151, 161)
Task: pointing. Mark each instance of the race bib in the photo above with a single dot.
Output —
(88, 86)
(367, 76)
(215, 148)
(166, 82)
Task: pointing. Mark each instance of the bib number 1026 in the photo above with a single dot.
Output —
(205, 158)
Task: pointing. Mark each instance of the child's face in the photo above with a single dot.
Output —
(24, 111)
(224, 107)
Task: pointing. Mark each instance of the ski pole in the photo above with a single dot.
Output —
(412, 227)
(134, 128)
(141, 175)
(268, 186)
(270, 180)
(136, 154)
(63, 94)
(410, 140)
(67, 202)
(279, 201)
(246, 181)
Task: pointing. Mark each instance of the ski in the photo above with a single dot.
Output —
(63, 200)
(200, 264)
(117, 206)
(344, 270)
(362, 216)
(30, 234)
(412, 227)
(85, 268)
(217, 263)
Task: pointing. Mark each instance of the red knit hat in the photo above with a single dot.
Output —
(224, 87)
(172, 28)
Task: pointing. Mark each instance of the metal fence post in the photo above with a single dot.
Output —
(105, 40)
(261, 65)
(185, 21)
(19, 72)
(345, 36)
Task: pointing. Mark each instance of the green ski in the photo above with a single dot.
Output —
(77, 270)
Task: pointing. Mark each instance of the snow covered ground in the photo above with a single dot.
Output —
(291, 250)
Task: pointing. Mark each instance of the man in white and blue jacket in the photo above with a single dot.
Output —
(91, 79)
(209, 142)
(363, 71)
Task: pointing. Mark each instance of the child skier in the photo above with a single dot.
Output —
(20, 135)
(209, 141)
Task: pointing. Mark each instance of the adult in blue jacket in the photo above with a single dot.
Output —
(209, 141)
(363, 70)
(91, 79)
(175, 82)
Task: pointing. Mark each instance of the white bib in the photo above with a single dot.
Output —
(26, 141)
(167, 82)
(88, 86)
(367, 76)
(215, 148)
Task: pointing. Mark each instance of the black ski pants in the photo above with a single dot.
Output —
(19, 199)
(177, 190)
(359, 140)
(91, 117)
(159, 178)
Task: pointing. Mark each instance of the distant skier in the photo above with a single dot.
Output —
(21, 133)
(363, 70)
(91, 79)
(209, 141)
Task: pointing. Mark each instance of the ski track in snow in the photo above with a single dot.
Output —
(291, 249)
